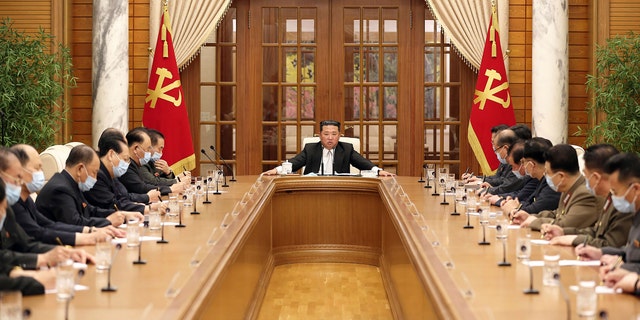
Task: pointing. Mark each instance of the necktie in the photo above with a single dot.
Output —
(328, 164)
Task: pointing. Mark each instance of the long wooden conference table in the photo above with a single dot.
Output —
(431, 267)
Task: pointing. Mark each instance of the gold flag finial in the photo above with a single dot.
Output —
(494, 29)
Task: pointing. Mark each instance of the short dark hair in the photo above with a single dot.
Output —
(498, 128)
(20, 153)
(516, 151)
(506, 137)
(535, 148)
(80, 154)
(136, 135)
(155, 135)
(5, 153)
(563, 157)
(329, 123)
(2, 191)
(522, 131)
(110, 140)
(627, 164)
(597, 155)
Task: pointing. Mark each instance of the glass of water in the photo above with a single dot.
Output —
(65, 280)
(551, 267)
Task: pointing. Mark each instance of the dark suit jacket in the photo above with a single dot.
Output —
(105, 193)
(61, 200)
(502, 172)
(41, 228)
(134, 183)
(27, 285)
(577, 208)
(152, 176)
(529, 187)
(544, 198)
(344, 155)
(18, 248)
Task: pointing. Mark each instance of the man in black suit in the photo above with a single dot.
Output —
(12, 275)
(114, 162)
(61, 199)
(140, 151)
(329, 156)
(34, 223)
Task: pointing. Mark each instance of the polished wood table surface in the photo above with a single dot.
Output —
(431, 266)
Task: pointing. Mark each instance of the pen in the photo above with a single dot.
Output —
(616, 264)
(584, 244)
(116, 207)
(62, 244)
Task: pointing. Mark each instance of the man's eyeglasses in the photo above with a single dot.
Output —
(13, 180)
(498, 148)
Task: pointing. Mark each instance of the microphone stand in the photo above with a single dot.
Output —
(435, 183)
(180, 225)
(195, 200)
(233, 175)
(444, 193)
(484, 241)
(206, 200)
(140, 261)
(421, 173)
(162, 240)
(531, 290)
(504, 262)
(468, 225)
(455, 206)
(68, 301)
(218, 191)
(109, 287)
(556, 276)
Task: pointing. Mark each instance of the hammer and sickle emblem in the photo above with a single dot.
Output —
(489, 92)
(160, 92)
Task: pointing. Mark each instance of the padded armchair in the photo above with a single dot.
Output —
(354, 141)
(54, 158)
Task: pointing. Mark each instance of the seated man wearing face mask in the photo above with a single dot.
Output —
(502, 145)
(157, 171)
(34, 223)
(108, 192)
(516, 160)
(31, 254)
(61, 199)
(577, 206)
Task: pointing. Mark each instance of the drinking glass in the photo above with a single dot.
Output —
(154, 220)
(103, 253)
(551, 267)
(502, 226)
(174, 209)
(133, 233)
(11, 305)
(431, 171)
(586, 298)
(523, 244)
(65, 280)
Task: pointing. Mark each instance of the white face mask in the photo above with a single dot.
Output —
(156, 156)
(622, 205)
(37, 181)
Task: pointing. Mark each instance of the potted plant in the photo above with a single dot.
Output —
(33, 78)
(616, 94)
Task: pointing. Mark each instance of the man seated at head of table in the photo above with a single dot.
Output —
(157, 170)
(108, 192)
(34, 223)
(12, 276)
(624, 176)
(503, 170)
(612, 227)
(31, 254)
(543, 198)
(61, 199)
(529, 184)
(577, 208)
(330, 155)
(140, 152)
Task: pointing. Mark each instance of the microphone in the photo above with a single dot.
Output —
(556, 276)
(531, 290)
(424, 166)
(162, 239)
(140, 261)
(109, 287)
(206, 200)
(225, 177)
(321, 168)
(68, 301)
(195, 200)
(233, 176)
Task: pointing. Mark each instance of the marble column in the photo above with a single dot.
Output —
(110, 72)
(550, 69)
(503, 23)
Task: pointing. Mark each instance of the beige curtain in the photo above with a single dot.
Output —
(466, 23)
(192, 21)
